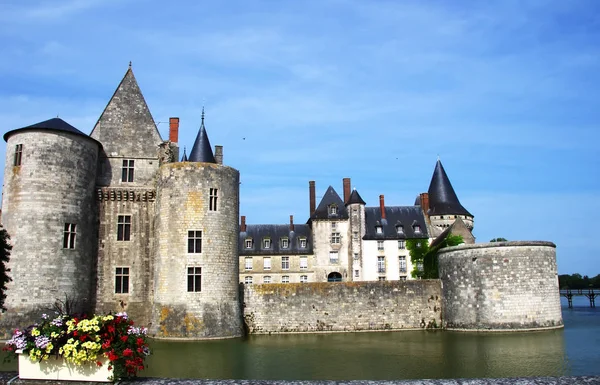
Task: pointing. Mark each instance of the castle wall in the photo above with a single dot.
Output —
(183, 197)
(53, 185)
(503, 285)
(341, 306)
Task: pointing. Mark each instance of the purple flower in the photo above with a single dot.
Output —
(42, 341)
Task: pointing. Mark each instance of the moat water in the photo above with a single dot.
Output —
(574, 350)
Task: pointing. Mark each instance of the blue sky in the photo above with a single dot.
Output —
(505, 92)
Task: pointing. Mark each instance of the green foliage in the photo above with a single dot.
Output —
(417, 248)
(499, 240)
(5, 248)
(430, 259)
(576, 281)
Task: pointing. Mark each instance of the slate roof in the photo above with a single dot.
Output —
(54, 124)
(330, 197)
(202, 151)
(126, 126)
(406, 216)
(355, 198)
(457, 228)
(442, 198)
(275, 233)
(184, 158)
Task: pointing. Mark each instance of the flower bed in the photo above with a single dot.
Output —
(82, 341)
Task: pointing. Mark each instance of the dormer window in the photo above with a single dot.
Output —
(285, 243)
(333, 209)
(267, 243)
(399, 229)
(248, 243)
(417, 229)
(379, 229)
(302, 243)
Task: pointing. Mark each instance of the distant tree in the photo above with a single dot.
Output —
(577, 281)
(499, 240)
(5, 248)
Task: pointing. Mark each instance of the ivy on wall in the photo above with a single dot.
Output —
(425, 259)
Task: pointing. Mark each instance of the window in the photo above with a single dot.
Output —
(400, 229)
(355, 235)
(333, 257)
(334, 226)
(285, 243)
(194, 279)
(248, 263)
(69, 236)
(267, 263)
(401, 245)
(212, 200)
(333, 210)
(379, 245)
(285, 279)
(403, 278)
(122, 280)
(18, 154)
(303, 278)
(127, 170)
(356, 273)
(402, 263)
(267, 243)
(123, 227)
(335, 238)
(285, 263)
(248, 280)
(378, 229)
(381, 279)
(381, 264)
(249, 243)
(303, 243)
(417, 229)
(267, 279)
(194, 241)
(420, 266)
(355, 256)
(304, 262)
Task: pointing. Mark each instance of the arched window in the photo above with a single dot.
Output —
(334, 277)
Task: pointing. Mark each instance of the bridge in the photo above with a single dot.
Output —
(590, 293)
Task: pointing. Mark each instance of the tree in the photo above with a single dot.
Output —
(430, 259)
(499, 240)
(5, 248)
(417, 248)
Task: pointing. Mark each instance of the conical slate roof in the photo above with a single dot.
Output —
(201, 151)
(442, 198)
(126, 126)
(355, 198)
(184, 158)
(330, 197)
(54, 124)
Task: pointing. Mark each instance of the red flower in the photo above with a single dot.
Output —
(127, 352)
(112, 356)
(75, 334)
(124, 338)
(106, 345)
(82, 338)
(111, 329)
(139, 342)
(98, 363)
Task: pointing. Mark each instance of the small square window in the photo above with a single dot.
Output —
(249, 243)
(401, 245)
(266, 243)
(285, 279)
(381, 279)
(379, 245)
(335, 238)
(379, 229)
(285, 263)
(417, 229)
(355, 235)
(303, 243)
(122, 280)
(356, 273)
(285, 243)
(333, 210)
(334, 226)
(400, 229)
(355, 256)
(194, 279)
(267, 263)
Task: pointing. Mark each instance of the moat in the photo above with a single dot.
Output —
(574, 350)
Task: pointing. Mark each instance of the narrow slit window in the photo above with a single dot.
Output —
(213, 199)
(18, 154)
(69, 235)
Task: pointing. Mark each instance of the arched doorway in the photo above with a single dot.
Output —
(334, 277)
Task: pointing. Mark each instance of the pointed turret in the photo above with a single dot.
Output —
(442, 198)
(184, 158)
(126, 127)
(201, 151)
(355, 198)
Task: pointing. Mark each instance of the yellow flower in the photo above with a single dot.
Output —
(35, 332)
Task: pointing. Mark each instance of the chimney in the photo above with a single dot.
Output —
(291, 223)
(311, 194)
(174, 129)
(219, 154)
(243, 225)
(382, 206)
(425, 203)
(346, 189)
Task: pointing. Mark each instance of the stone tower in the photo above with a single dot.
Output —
(355, 206)
(196, 291)
(49, 210)
(443, 204)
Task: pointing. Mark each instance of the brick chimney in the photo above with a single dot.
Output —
(425, 202)
(382, 206)
(243, 225)
(346, 189)
(219, 154)
(291, 223)
(174, 129)
(311, 197)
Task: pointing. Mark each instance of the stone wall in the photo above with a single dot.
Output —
(503, 285)
(341, 306)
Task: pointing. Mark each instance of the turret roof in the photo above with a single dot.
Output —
(54, 124)
(126, 126)
(330, 198)
(184, 158)
(442, 198)
(355, 198)
(202, 151)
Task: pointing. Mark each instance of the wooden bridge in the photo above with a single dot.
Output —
(590, 293)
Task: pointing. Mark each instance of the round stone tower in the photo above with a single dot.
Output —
(48, 208)
(196, 290)
(500, 286)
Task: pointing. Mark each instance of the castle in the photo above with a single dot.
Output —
(114, 221)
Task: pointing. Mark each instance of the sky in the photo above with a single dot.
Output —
(506, 93)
